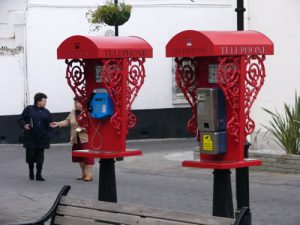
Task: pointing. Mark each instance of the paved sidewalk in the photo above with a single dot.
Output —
(156, 179)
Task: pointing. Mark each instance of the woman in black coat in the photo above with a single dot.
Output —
(35, 120)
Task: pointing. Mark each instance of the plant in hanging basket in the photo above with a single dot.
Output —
(110, 14)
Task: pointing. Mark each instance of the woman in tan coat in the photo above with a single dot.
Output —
(79, 140)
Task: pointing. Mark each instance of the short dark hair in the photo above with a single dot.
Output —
(78, 98)
(38, 97)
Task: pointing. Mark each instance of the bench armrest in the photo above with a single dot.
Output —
(240, 220)
(51, 213)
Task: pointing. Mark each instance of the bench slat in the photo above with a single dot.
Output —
(147, 212)
(66, 220)
(113, 217)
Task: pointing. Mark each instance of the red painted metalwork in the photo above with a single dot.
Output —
(255, 77)
(112, 79)
(192, 43)
(231, 79)
(186, 79)
(76, 78)
(106, 154)
(99, 47)
(136, 77)
(121, 60)
(222, 165)
(228, 74)
(239, 56)
(75, 75)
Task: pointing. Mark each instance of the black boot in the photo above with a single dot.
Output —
(39, 167)
(31, 174)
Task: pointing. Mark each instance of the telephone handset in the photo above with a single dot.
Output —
(89, 106)
(99, 104)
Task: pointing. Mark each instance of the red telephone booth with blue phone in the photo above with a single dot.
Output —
(107, 73)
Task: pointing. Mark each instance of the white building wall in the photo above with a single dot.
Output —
(50, 22)
(279, 20)
(12, 84)
(12, 24)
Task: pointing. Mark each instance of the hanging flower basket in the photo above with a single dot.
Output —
(110, 14)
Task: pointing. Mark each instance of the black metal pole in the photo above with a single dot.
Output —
(242, 188)
(116, 30)
(242, 174)
(240, 9)
(107, 181)
(107, 189)
(116, 26)
(222, 194)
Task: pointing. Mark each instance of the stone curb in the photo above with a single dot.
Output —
(278, 163)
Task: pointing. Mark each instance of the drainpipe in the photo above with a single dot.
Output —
(25, 69)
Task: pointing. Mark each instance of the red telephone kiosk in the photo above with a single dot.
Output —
(220, 74)
(107, 72)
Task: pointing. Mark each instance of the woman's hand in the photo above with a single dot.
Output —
(54, 124)
(27, 127)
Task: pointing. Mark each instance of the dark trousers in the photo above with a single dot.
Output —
(35, 156)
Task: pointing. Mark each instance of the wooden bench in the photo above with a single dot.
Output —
(69, 210)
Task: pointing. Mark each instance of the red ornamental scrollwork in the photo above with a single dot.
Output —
(76, 78)
(228, 78)
(186, 78)
(136, 77)
(112, 78)
(75, 75)
(254, 80)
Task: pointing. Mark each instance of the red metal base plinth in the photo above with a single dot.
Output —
(222, 165)
(103, 154)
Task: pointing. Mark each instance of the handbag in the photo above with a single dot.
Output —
(21, 138)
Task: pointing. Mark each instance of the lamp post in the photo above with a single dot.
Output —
(116, 26)
(240, 10)
(107, 191)
(242, 174)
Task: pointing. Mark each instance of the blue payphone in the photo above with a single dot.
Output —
(100, 104)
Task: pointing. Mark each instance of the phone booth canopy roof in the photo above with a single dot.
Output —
(93, 47)
(191, 43)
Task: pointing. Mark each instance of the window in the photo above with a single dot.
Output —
(178, 97)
